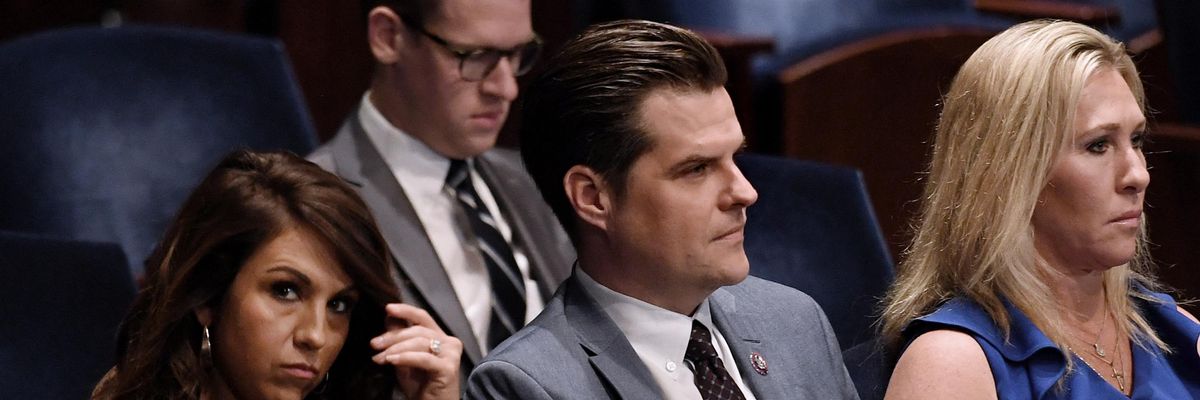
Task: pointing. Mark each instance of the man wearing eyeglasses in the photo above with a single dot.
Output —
(474, 243)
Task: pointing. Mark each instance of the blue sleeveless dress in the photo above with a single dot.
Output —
(1029, 365)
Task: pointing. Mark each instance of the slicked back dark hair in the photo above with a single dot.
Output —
(584, 108)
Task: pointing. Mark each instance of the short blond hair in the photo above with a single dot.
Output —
(1006, 117)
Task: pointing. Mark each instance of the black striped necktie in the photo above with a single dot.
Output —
(508, 287)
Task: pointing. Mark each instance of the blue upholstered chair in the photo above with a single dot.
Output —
(60, 305)
(813, 229)
(104, 131)
(869, 368)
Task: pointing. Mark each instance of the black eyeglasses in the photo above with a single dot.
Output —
(476, 63)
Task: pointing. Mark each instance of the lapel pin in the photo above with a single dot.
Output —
(759, 363)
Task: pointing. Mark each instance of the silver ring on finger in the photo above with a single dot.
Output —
(435, 346)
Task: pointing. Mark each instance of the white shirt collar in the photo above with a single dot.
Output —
(420, 169)
(657, 334)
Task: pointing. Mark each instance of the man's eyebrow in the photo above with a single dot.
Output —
(690, 161)
(471, 48)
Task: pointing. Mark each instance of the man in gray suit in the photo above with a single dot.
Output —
(630, 136)
(473, 243)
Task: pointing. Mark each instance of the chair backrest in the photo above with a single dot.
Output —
(104, 131)
(813, 229)
(869, 369)
(61, 303)
(1177, 20)
(873, 105)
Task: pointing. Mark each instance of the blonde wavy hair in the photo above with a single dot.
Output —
(1005, 119)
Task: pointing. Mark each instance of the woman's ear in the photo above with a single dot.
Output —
(588, 195)
(204, 314)
(383, 34)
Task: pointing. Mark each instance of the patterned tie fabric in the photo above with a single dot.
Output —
(712, 379)
(508, 287)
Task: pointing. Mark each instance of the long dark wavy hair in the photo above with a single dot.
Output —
(246, 201)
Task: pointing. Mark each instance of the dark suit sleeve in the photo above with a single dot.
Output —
(835, 356)
(503, 380)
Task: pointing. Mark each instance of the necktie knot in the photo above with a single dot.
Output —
(458, 174)
(709, 373)
(700, 348)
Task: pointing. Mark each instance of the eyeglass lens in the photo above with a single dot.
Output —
(477, 66)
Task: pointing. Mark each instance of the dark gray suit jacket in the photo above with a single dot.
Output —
(573, 350)
(422, 279)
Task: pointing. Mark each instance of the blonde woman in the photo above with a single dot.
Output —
(1028, 274)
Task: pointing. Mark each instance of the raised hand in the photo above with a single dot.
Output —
(426, 359)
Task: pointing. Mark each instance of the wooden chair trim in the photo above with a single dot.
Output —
(855, 49)
(1069, 10)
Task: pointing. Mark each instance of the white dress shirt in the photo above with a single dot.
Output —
(421, 172)
(660, 338)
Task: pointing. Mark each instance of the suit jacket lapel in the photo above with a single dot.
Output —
(608, 351)
(520, 216)
(745, 336)
(404, 233)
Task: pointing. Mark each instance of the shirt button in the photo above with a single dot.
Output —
(671, 366)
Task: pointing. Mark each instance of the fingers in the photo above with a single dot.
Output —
(426, 360)
(397, 335)
(413, 315)
(449, 348)
(421, 374)
(425, 376)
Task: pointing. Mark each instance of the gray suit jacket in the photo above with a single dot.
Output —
(422, 279)
(573, 350)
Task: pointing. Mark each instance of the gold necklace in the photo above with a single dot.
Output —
(1117, 370)
(1116, 367)
(1099, 351)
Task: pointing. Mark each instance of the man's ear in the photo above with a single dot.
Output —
(383, 34)
(588, 195)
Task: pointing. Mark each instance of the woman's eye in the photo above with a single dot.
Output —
(285, 290)
(1139, 140)
(1098, 146)
(341, 306)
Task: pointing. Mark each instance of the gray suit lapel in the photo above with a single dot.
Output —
(745, 336)
(404, 233)
(608, 351)
(505, 185)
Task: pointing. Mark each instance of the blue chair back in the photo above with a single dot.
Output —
(61, 303)
(104, 131)
(869, 368)
(813, 229)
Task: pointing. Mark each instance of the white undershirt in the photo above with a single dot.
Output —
(421, 172)
(660, 338)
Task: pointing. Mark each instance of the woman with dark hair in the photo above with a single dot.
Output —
(273, 282)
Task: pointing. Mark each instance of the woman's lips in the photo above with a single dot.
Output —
(1129, 218)
(302, 371)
